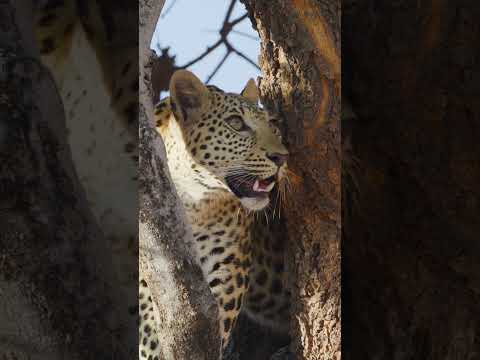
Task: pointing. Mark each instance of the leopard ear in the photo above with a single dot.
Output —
(250, 92)
(188, 93)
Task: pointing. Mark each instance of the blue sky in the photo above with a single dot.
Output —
(189, 26)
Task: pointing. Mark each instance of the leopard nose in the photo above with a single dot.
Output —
(277, 158)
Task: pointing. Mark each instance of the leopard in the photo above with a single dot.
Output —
(90, 50)
(227, 159)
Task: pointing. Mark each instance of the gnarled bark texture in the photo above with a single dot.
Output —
(301, 63)
(58, 294)
(412, 202)
(188, 328)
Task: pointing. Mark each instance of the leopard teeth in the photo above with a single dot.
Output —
(270, 187)
(256, 187)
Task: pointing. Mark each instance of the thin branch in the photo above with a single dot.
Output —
(205, 53)
(245, 35)
(229, 11)
(226, 29)
(219, 65)
(246, 58)
(240, 19)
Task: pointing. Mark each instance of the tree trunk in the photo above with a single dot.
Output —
(300, 60)
(58, 293)
(411, 205)
(188, 328)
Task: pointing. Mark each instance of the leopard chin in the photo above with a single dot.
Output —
(253, 192)
(255, 203)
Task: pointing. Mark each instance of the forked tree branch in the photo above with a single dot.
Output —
(226, 29)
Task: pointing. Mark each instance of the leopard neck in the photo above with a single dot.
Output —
(194, 183)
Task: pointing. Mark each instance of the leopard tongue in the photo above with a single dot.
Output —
(263, 185)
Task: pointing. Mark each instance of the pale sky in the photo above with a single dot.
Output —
(189, 26)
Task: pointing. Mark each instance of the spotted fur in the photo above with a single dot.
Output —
(57, 22)
(95, 67)
(212, 139)
(97, 77)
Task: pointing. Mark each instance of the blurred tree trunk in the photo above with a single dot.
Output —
(188, 328)
(301, 64)
(58, 294)
(412, 202)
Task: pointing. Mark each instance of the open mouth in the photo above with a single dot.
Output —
(250, 187)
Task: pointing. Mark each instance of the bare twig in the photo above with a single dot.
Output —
(218, 66)
(240, 19)
(246, 58)
(229, 11)
(205, 53)
(225, 30)
(244, 35)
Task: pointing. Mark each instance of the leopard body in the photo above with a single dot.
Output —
(92, 54)
(218, 145)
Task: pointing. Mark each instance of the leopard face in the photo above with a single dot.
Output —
(231, 137)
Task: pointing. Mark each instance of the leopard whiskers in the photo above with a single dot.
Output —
(266, 216)
(293, 178)
(277, 204)
(238, 213)
(288, 184)
(242, 177)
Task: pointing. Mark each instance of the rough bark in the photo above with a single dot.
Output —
(188, 327)
(300, 60)
(411, 225)
(58, 294)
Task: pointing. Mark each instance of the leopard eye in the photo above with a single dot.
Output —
(237, 123)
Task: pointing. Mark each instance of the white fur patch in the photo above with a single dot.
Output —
(255, 203)
(98, 138)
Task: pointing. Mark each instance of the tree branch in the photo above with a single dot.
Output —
(246, 58)
(240, 19)
(219, 65)
(225, 30)
(188, 328)
(201, 56)
(244, 35)
(229, 11)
